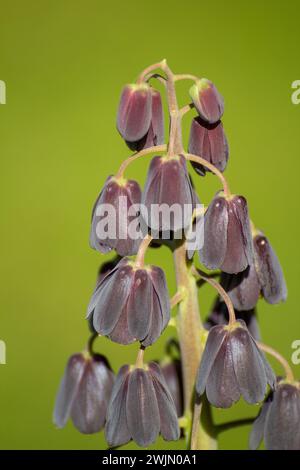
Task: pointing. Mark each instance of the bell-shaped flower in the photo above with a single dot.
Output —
(134, 113)
(115, 218)
(208, 141)
(227, 235)
(84, 393)
(156, 132)
(233, 366)
(278, 421)
(269, 272)
(168, 196)
(140, 408)
(131, 304)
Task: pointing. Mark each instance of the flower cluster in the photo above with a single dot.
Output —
(131, 301)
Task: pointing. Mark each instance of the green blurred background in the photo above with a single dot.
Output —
(64, 64)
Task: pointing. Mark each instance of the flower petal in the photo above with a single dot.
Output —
(214, 342)
(116, 429)
(68, 389)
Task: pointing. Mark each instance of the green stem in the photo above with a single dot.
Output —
(191, 333)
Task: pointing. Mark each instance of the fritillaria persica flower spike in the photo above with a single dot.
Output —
(168, 183)
(131, 304)
(278, 421)
(84, 393)
(140, 408)
(155, 134)
(231, 366)
(123, 198)
(134, 113)
(207, 100)
(264, 276)
(209, 142)
(131, 300)
(227, 235)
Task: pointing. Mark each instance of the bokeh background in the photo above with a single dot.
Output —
(64, 63)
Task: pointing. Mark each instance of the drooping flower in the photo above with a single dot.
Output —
(233, 366)
(156, 133)
(84, 393)
(131, 304)
(115, 218)
(207, 100)
(269, 272)
(140, 408)
(278, 421)
(208, 141)
(168, 187)
(227, 235)
(134, 113)
(264, 276)
(219, 316)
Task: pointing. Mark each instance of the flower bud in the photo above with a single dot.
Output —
(141, 407)
(168, 186)
(231, 366)
(131, 304)
(227, 235)
(278, 421)
(155, 134)
(208, 141)
(207, 100)
(121, 214)
(84, 393)
(134, 113)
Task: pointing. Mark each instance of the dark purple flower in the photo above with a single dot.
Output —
(131, 304)
(168, 186)
(207, 100)
(84, 393)
(264, 276)
(268, 270)
(208, 141)
(231, 366)
(156, 132)
(172, 373)
(227, 235)
(115, 218)
(278, 421)
(140, 408)
(219, 316)
(134, 113)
